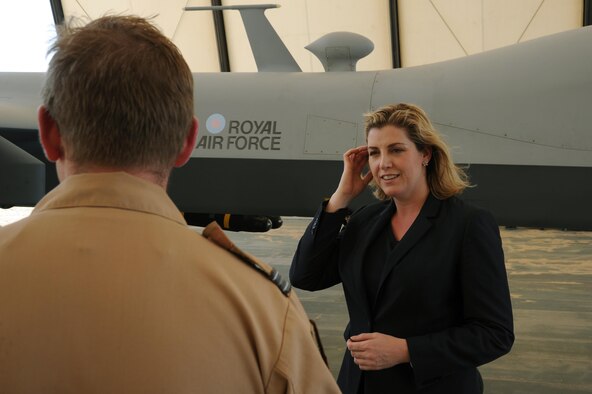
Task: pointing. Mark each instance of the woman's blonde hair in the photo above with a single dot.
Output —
(445, 179)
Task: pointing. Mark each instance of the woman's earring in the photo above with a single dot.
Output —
(425, 163)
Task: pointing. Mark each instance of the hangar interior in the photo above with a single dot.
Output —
(404, 32)
(551, 293)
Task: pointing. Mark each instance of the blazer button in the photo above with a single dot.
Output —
(314, 225)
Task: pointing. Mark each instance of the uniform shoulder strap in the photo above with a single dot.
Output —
(214, 234)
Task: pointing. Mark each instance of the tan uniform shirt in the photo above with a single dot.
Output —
(104, 289)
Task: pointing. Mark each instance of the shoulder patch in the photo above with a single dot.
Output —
(214, 233)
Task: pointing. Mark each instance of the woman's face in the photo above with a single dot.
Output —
(396, 164)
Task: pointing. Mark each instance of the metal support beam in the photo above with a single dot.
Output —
(57, 11)
(395, 43)
(221, 40)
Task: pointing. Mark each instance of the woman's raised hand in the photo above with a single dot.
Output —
(352, 181)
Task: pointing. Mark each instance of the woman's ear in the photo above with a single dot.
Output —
(427, 154)
(188, 145)
(49, 135)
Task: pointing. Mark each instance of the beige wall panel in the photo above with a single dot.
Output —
(93, 9)
(505, 21)
(192, 32)
(463, 18)
(477, 25)
(425, 38)
(72, 8)
(196, 38)
(430, 30)
(555, 16)
(290, 22)
(301, 22)
(166, 14)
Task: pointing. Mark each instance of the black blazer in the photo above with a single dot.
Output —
(444, 288)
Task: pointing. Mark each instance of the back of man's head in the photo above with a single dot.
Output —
(120, 93)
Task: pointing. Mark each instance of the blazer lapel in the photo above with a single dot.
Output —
(417, 230)
(371, 231)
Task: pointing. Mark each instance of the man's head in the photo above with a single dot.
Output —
(120, 95)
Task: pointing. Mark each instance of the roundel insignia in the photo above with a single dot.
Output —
(215, 123)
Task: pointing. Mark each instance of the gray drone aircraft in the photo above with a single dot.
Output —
(271, 142)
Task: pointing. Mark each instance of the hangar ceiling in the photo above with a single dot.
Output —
(435, 30)
(420, 31)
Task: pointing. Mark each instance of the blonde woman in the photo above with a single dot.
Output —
(422, 271)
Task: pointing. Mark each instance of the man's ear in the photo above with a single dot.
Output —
(49, 135)
(188, 145)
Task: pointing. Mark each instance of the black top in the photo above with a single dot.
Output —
(374, 262)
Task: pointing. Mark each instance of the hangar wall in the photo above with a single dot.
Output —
(430, 30)
(436, 30)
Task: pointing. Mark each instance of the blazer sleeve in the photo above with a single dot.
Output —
(315, 265)
(486, 332)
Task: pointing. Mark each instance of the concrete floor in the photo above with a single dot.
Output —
(550, 274)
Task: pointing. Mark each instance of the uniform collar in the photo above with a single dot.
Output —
(110, 190)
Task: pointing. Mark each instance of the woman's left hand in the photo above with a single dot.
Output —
(374, 351)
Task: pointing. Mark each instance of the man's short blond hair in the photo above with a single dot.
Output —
(121, 94)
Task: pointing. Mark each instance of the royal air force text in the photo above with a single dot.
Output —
(245, 135)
